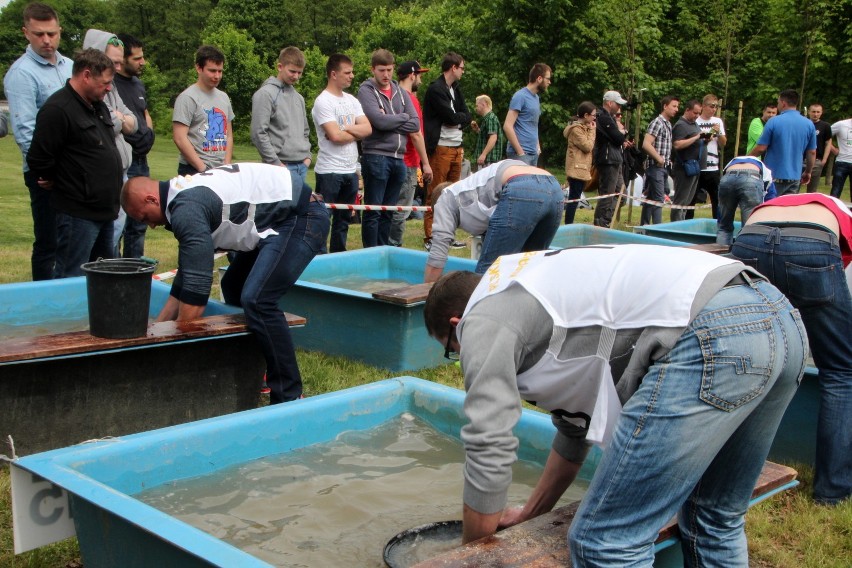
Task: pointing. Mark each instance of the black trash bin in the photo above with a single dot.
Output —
(119, 294)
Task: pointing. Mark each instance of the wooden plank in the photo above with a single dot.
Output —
(541, 542)
(712, 248)
(406, 295)
(27, 348)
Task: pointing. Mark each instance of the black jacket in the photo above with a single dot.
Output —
(74, 146)
(608, 140)
(439, 108)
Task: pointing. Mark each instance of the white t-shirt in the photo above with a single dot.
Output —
(343, 111)
(712, 146)
(842, 130)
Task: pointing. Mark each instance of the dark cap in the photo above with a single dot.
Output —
(407, 68)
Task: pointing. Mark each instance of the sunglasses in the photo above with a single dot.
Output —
(448, 352)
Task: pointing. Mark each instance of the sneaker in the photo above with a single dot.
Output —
(427, 245)
(458, 245)
(265, 389)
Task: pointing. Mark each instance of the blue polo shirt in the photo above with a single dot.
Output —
(787, 137)
(526, 103)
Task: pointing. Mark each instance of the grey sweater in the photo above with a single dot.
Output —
(392, 119)
(98, 39)
(506, 334)
(279, 123)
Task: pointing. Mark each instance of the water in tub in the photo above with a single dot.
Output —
(335, 504)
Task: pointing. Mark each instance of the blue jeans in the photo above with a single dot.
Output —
(186, 170)
(528, 159)
(44, 229)
(134, 231)
(842, 171)
(738, 188)
(383, 179)
(80, 241)
(656, 181)
(406, 198)
(257, 280)
(694, 436)
(575, 190)
(808, 269)
(338, 188)
(525, 219)
(787, 186)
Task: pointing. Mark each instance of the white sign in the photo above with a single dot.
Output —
(40, 511)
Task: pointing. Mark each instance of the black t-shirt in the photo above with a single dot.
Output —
(132, 93)
(823, 130)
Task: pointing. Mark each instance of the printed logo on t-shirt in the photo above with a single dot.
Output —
(215, 131)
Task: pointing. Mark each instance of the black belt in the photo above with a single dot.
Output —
(806, 230)
(316, 197)
(750, 173)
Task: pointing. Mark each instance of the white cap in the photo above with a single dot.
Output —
(614, 96)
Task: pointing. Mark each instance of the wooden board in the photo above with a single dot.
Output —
(541, 542)
(406, 295)
(77, 342)
(712, 248)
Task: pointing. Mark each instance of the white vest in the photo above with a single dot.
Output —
(617, 287)
(256, 184)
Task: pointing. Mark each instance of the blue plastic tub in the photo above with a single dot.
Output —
(693, 231)
(346, 321)
(63, 399)
(116, 529)
(578, 235)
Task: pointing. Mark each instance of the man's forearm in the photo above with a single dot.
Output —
(478, 525)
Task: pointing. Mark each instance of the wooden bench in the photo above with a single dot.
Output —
(78, 342)
(541, 542)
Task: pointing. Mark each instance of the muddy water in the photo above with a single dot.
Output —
(365, 284)
(47, 328)
(334, 504)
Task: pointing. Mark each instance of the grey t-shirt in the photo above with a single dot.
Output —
(209, 117)
(685, 129)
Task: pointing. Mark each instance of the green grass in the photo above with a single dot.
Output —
(785, 531)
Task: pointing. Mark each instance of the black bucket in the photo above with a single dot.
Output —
(119, 293)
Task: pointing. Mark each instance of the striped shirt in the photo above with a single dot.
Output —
(661, 129)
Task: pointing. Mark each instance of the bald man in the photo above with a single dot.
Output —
(257, 211)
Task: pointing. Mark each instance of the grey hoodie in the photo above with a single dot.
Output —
(279, 123)
(392, 119)
(98, 39)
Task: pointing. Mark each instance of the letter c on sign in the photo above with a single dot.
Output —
(35, 509)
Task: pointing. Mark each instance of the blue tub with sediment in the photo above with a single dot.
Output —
(692, 231)
(335, 294)
(578, 235)
(119, 491)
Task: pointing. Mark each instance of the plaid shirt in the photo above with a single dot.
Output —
(490, 125)
(661, 129)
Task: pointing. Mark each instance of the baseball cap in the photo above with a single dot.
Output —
(614, 96)
(408, 67)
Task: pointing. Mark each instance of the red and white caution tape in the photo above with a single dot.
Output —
(353, 207)
(667, 204)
